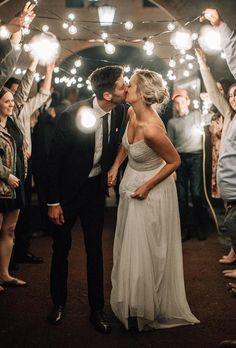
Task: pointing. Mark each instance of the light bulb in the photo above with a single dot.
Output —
(129, 25)
(45, 28)
(73, 71)
(71, 16)
(72, 29)
(65, 25)
(171, 26)
(172, 63)
(77, 63)
(109, 48)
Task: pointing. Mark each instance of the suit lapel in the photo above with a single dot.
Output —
(113, 127)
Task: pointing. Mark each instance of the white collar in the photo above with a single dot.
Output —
(99, 111)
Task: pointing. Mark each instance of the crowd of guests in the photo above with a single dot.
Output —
(72, 170)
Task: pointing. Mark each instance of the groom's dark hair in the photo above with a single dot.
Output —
(104, 79)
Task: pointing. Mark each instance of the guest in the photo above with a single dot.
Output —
(147, 275)
(226, 112)
(77, 183)
(227, 36)
(185, 133)
(8, 52)
(11, 187)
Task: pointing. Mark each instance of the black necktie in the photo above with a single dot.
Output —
(104, 158)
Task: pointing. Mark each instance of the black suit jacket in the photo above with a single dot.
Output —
(72, 152)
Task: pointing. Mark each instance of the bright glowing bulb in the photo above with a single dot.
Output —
(45, 47)
(18, 71)
(194, 36)
(129, 25)
(104, 36)
(171, 26)
(149, 52)
(4, 32)
(89, 87)
(181, 60)
(181, 39)
(189, 57)
(72, 29)
(109, 48)
(77, 63)
(73, 71)
(56, 69)
(56, 80)
(86, 119)
(127, 68)
(148, 46)
(190, 66)
(209, 39)
(45, 28)
(80, 79)
(80, 85)
(172, 63)
(186, 73)
(65, 25)
(71, 16)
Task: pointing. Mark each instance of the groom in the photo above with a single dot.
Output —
(77, 184)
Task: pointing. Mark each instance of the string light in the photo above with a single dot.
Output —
(65, 25)
(171, 26)
(172, 63)
(104, 36)
(127, 69)
(71, 17)
(109, 48)
(56, 69)
(129, 25)
(72, 29)
(209, 39)
(181, 39)
(77, 63)
(4, 32)
(45, 47)
(45, 28)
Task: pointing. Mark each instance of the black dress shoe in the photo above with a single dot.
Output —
(28, 258)
(100, 322)
(56, 315)
(228, 344)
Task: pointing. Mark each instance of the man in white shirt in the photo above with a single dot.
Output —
(77, 184)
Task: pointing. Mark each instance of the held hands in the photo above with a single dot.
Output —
(112, 176)
(212, 16)
(13, 181)
(141, 193)
(55, 214)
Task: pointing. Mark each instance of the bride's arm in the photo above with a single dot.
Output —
(157, 139)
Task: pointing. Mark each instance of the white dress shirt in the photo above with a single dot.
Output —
(99, 112)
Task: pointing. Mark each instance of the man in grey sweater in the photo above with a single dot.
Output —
(185, 133)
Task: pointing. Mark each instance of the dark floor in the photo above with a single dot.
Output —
(23, 311)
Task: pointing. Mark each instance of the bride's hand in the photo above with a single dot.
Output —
(112, 176)
(141, 193)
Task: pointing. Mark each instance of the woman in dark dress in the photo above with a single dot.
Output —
(11, 184)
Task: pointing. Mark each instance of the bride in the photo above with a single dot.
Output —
(147, 277)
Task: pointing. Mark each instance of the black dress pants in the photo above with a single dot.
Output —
(89, 206)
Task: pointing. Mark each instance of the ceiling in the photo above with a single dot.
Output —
(53, 12)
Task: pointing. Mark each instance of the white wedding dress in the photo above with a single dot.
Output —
(147, 275)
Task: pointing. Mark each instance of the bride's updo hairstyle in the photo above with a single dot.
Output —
(151, 86)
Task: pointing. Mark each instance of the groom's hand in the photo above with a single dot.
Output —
(55, 214)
